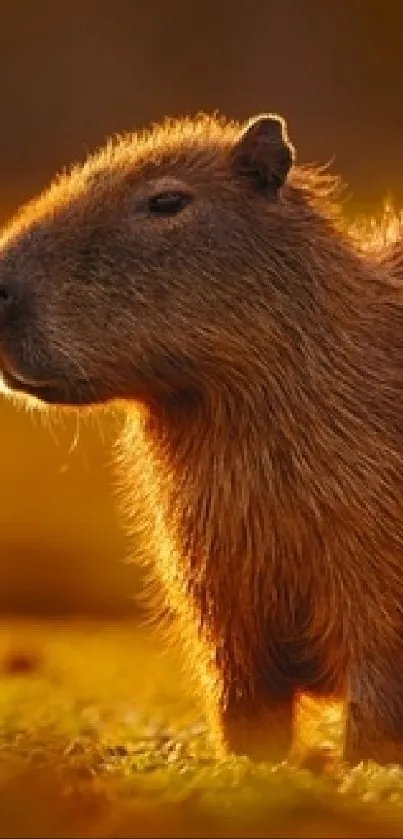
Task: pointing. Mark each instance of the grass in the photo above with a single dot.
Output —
(98, 739)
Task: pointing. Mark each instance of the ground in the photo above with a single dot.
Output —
(99, 738)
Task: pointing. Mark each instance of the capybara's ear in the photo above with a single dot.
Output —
(263, 152)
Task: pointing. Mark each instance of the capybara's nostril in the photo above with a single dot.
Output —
(7, 298)
(5, 295)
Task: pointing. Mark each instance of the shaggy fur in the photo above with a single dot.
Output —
(264, 347)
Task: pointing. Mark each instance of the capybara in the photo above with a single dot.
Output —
(199, 276)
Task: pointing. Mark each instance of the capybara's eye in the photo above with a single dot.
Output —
(168, 203)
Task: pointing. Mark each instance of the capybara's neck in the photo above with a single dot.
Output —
(283, 455)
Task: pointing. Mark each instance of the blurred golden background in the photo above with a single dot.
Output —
(73, 73)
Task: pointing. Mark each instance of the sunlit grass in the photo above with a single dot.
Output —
(98, 737)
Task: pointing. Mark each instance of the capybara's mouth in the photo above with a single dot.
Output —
(48, 391)
(17, 381)
(45, 391)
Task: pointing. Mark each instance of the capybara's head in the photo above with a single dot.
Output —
(131, 276)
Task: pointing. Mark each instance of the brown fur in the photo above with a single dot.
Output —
(265, 348)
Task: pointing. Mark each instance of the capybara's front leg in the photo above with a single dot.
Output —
(258, 722)
(262, 730)
(374, 710)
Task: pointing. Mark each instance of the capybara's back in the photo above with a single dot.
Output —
(203, 279)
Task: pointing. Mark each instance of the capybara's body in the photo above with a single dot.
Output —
(197, 273)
